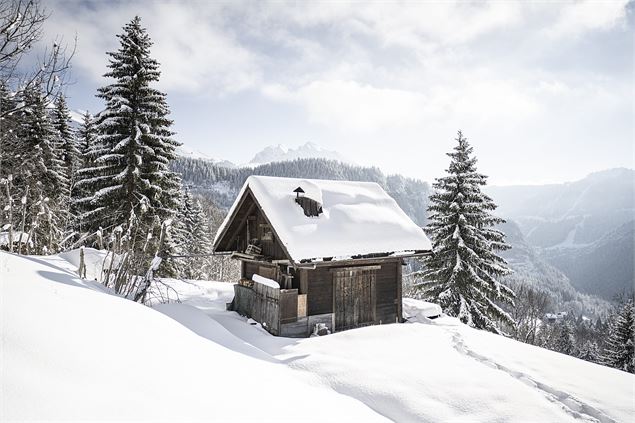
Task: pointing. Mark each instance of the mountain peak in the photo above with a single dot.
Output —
(308, 150)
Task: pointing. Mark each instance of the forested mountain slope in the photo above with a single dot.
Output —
(583, 228)
(604, 267)
(532, 270)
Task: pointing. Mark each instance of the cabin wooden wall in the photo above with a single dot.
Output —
(319, 291)
(319, 287)
(387, 292)
(264, 269)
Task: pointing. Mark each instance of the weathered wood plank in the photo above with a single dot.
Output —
(288, 305)
(354, 268)
(354, 298)
(302, 305)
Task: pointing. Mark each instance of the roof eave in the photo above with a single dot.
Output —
(321, 262)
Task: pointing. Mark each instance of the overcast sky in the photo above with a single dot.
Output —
(544, 91)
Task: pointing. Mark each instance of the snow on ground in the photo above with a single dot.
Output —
(437, 370)
(75, 353)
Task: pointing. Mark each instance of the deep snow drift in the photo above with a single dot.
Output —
(72, 351)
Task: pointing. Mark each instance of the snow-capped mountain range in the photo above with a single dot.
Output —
(190, 153)
(309, 150)
(269, 154)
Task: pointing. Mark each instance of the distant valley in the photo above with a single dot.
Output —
(583, 228)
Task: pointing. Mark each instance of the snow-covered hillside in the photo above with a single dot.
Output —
(71, 350)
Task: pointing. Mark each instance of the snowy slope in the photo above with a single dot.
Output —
(435, 370)
(77, 353)
(80, 354)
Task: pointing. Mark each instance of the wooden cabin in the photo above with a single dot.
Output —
(318, 253)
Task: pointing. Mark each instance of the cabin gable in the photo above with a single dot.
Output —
(250, 232)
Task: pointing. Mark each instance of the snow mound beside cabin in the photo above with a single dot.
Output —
(71, 352)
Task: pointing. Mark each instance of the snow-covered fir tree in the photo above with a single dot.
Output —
(8, 140)
(9, 152)
(42, 178)
(61, 119)
(88, 150)
(462, 273)
(86, 135)
(619, 351)
(10, 158)
(130, 174)
(590, 352)
(196, 241)
(564, 341)
(174, 240)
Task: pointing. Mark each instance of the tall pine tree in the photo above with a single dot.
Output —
(197, 241)
(461, 274)
(86, 135)
(61, 119)
(619, 351)
(88, 150)
(130, 174)
(42, 175)
(565, 339)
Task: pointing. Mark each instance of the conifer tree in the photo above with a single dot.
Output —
(590, 352)
(130, 174)
(172, 265)
(86, 135)
(565, 341)
(619, 351)
(42, 177)
(461, 274)
(88, 148)
(61, 119)
(10, 157)
(197, 242)
(8, 139)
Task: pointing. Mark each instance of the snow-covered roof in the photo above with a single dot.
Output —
(358, 218)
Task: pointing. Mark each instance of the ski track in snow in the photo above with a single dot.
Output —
(571, 405)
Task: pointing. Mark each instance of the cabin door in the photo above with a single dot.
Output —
(354, 297)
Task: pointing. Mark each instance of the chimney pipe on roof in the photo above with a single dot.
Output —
(298, 191)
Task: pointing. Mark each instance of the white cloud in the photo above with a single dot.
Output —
(510, 73)
(588, 15)
(348, 105)
(196, 50)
